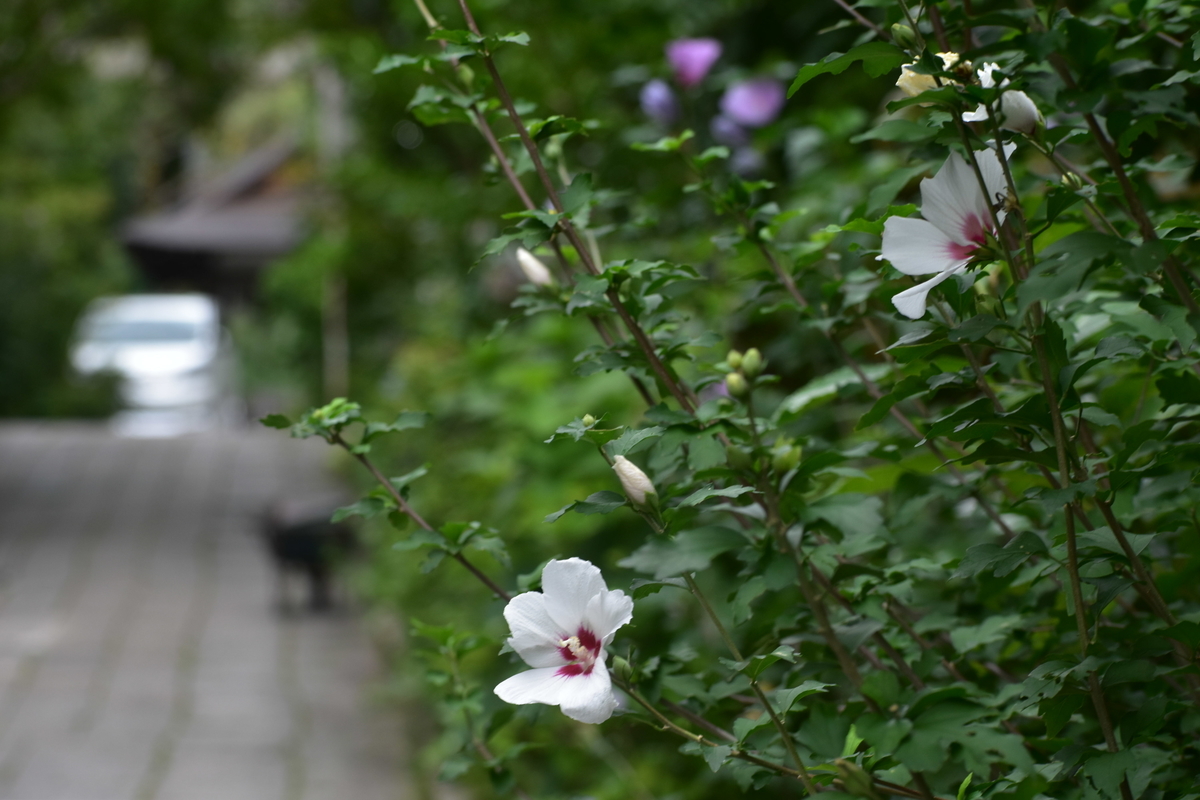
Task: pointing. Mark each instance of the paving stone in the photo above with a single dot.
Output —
(141, 654)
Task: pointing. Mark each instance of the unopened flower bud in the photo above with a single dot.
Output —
(588, 420)
(635, 483)
(1072, 181)
(621, 668)
(736, 384)
(737, 458)
(734, 359)
(905, 37)
(785, 458)
(752, 363)
(537, 272)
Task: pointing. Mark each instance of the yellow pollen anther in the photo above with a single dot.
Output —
(575, 648)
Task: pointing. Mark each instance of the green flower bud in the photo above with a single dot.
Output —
(904, 36)
(785, 458)
(737, 458)
(734, 359)
(1072, 181)
(588, 420)
(752, 363)
(736, 384)
(621, 668)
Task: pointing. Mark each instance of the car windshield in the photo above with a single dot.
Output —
(115, 331)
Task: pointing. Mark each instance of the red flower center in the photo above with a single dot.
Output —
(580, 652)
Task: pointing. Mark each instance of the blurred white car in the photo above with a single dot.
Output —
(170, 351)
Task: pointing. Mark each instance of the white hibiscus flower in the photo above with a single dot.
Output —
(957, 223)
(561, 632)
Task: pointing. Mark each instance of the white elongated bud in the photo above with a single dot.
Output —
(537, 272)
(635, 483)
(1019, 113)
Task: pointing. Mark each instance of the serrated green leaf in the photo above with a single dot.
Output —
(876, 57)
(690, 551)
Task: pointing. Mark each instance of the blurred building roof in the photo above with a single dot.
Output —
(221, 235)
(242, 213)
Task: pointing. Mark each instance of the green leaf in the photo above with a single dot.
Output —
(1179, 388)
(907, 387)
(897, 130)
(518, 37)
(851, 513)
(406, 420)
(600, 503)
(404, 480)
(395, 61)
(421, 538)
(690, 551)
(277, 421)
(782, 700)
(631, 438)
(717, 755)
(643, 588)
(700, 495)
(366, 508)
(876, 57)
(993, 629)
(827, 386)
(667, 144)
(1000, 561)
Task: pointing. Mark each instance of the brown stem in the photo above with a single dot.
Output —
(409, 511)
(784, 734)
(1157, 602)
(683, 396)
(696, 719)
(863, 20)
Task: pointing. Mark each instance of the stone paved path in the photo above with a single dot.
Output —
(141, 653)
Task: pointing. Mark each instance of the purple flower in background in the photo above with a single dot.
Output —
(692, 59)
(753, 103)
(658, 102)
(727, 132)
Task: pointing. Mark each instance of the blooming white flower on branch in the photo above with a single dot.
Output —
(561, 632)
(637, 484)
(537, 272)
(957, 223)
(1017, 112)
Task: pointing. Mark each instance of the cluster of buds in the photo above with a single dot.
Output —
(744, 368)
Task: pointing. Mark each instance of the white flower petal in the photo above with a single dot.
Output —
(993, 173)
(952, 201)
(978, 115)
(985, 74)
(535, 635)
(569, 585)
(917, 247)
(911, 302)
(606, 612)
(589, 698)
(536, 686)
